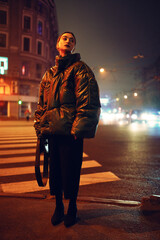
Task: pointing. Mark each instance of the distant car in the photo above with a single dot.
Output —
(138, 116)
(153, 117)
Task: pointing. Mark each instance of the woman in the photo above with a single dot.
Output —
(67, 112)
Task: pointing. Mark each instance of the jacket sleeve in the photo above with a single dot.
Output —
(40, 109)
(87, 103)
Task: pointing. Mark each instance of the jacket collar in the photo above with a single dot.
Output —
(64, 62)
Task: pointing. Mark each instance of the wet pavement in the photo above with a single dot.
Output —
(29, 218)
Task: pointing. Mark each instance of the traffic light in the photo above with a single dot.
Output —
(19, 102)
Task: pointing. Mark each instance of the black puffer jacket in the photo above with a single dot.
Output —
(68, 100)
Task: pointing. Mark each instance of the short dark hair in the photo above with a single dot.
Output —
(64, 33)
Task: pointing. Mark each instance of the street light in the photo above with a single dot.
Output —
(125, 96)
(101, 70)
(135, 94)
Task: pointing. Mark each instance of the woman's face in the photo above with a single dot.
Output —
(66, 44)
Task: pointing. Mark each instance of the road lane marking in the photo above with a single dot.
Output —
(17, 147)
(12, 138)
(31, 170)
(18, 151)
(17, 159)
(20, 141)
(100, 177)
(31, 186)
(21, 159)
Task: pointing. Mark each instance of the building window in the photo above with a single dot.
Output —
(39, 48)
(26, 44)
(27, 3)
(4, 88)
(24, 89)
(3, 17)
(38, 70)
(3, 108)
(3, 65)
(27, 23)
(40, 27)
(14, 87)
(3, 40)
(40, 7)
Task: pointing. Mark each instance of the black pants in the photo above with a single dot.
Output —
(65, 165)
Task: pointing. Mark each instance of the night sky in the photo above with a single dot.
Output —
(109, 34)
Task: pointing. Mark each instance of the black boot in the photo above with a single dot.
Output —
(58, 215)
(71, 217)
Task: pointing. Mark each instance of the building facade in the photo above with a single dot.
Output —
(28, 34)
(151, 85)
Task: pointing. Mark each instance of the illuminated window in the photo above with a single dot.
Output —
(3, 40)
(25, 69)
(14, 87)
(40, 27)
(3, 17)
(4, 88)
(3, 65)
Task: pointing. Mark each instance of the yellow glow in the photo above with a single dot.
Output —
(101, 70)
(135, 94)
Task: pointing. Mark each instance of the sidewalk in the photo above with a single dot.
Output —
(29, 219)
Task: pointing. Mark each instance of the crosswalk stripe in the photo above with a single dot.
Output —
(17, 138)
(20, 141)
(100, 177)
(31, 186)
(11, 159)
(17, 159)
(13, 151)
(15, 146)
(31, 170)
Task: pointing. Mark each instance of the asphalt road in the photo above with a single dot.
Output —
(132, 153)
(121, 162)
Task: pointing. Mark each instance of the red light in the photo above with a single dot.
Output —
(23, 70)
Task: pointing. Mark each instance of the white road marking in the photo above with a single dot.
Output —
(17, 159)
(21, 141)
(31, 186)
(31, 170)
(100, 177)
(15, 146)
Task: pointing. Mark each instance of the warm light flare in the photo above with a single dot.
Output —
(101, 70)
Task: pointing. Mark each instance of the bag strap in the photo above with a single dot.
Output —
(42, 180)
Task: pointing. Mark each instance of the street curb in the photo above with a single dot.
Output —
(110, 201)
(79, 199)
(25, 195)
